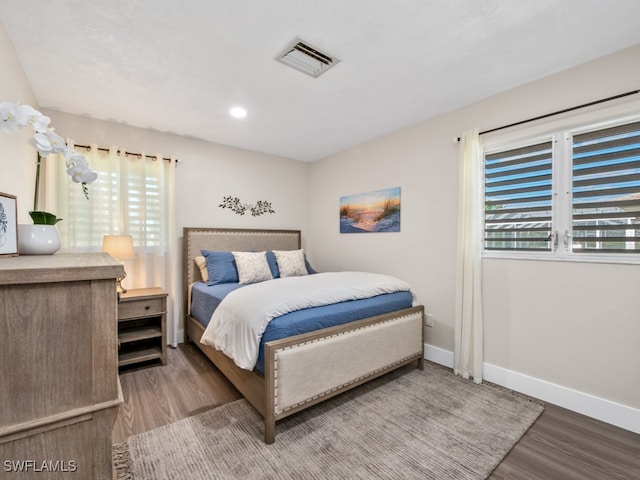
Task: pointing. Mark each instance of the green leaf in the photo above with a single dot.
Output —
(44, 218)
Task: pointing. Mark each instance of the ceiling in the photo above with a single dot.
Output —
(179, 66)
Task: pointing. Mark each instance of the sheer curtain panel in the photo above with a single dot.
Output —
(133, 195)
(468, 347)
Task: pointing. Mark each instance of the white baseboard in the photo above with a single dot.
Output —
(607, 411)
(438, 355)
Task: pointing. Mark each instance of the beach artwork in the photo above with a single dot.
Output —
(377, 211)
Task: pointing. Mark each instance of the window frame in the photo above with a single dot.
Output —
(561, 134)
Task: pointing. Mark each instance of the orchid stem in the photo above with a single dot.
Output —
(37, 189)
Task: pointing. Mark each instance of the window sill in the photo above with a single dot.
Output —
(621, 259)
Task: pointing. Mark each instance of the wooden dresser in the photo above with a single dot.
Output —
(59, 388)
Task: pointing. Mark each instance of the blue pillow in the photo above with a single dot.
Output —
(310, 269)
(221, 267)
(273, 264)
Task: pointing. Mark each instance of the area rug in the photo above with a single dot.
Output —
(408, 425)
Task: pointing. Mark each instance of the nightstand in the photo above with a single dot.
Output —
(142, 326)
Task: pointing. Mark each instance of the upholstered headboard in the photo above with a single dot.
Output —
(229, 239)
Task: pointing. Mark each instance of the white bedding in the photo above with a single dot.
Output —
(237, 324)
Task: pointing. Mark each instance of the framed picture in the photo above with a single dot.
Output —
(8, 225)
(377, 211)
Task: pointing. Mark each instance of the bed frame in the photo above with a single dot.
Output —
(306, 369)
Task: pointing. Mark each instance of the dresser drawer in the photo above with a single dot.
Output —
(141, 308)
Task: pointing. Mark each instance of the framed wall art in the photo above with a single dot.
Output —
(8, 225)
(377, 211)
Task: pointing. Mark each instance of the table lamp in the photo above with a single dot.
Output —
(119, 247)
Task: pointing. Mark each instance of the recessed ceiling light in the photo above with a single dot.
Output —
(238, 112)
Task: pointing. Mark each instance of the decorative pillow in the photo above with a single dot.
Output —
(273, 264)
(291, 263)
(252, 267)
(221, 267)
(201, 263)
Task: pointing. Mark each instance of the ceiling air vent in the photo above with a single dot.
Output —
(306, 58)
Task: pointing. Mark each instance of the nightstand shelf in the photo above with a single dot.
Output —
(142, 320)
(127, 335)
(139, 355)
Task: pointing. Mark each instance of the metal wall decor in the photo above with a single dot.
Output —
(234, 204)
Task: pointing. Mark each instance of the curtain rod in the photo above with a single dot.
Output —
(558, 112)
(103, 149)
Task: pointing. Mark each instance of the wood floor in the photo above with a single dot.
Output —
(561, 445)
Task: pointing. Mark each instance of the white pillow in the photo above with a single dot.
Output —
(291, 263)
(252, 266)
(201, 263)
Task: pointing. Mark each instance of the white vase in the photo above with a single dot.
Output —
(38, 239)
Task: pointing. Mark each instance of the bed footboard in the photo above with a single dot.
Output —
(306, 369)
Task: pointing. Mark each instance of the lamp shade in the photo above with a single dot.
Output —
(119, 247)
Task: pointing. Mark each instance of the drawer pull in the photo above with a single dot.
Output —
(147, 307)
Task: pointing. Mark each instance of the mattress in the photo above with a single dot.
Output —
(205, 298)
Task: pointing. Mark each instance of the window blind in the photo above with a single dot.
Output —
(606, 190)
(518, 198)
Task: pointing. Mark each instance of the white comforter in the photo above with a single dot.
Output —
(237, 324)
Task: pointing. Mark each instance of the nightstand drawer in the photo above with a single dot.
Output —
(141, 308)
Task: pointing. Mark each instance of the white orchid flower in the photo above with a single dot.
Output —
(30, 116)
(58, 144)
(48, 142)
(81, 173)
(9, 116)
(78, 168)
(13, 116)
(72, 157)
(42, 144)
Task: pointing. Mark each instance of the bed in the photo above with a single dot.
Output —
(302, 370)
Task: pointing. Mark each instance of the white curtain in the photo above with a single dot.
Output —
(468, 347)
(133, 195)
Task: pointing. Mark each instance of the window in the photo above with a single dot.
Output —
(127, 200)
(606, 190)
(574, 194)
(518, 198)
(131, 196)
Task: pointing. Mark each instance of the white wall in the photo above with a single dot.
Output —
(17, 157)
(570, 324)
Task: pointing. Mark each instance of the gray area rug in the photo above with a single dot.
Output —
(407, 425)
